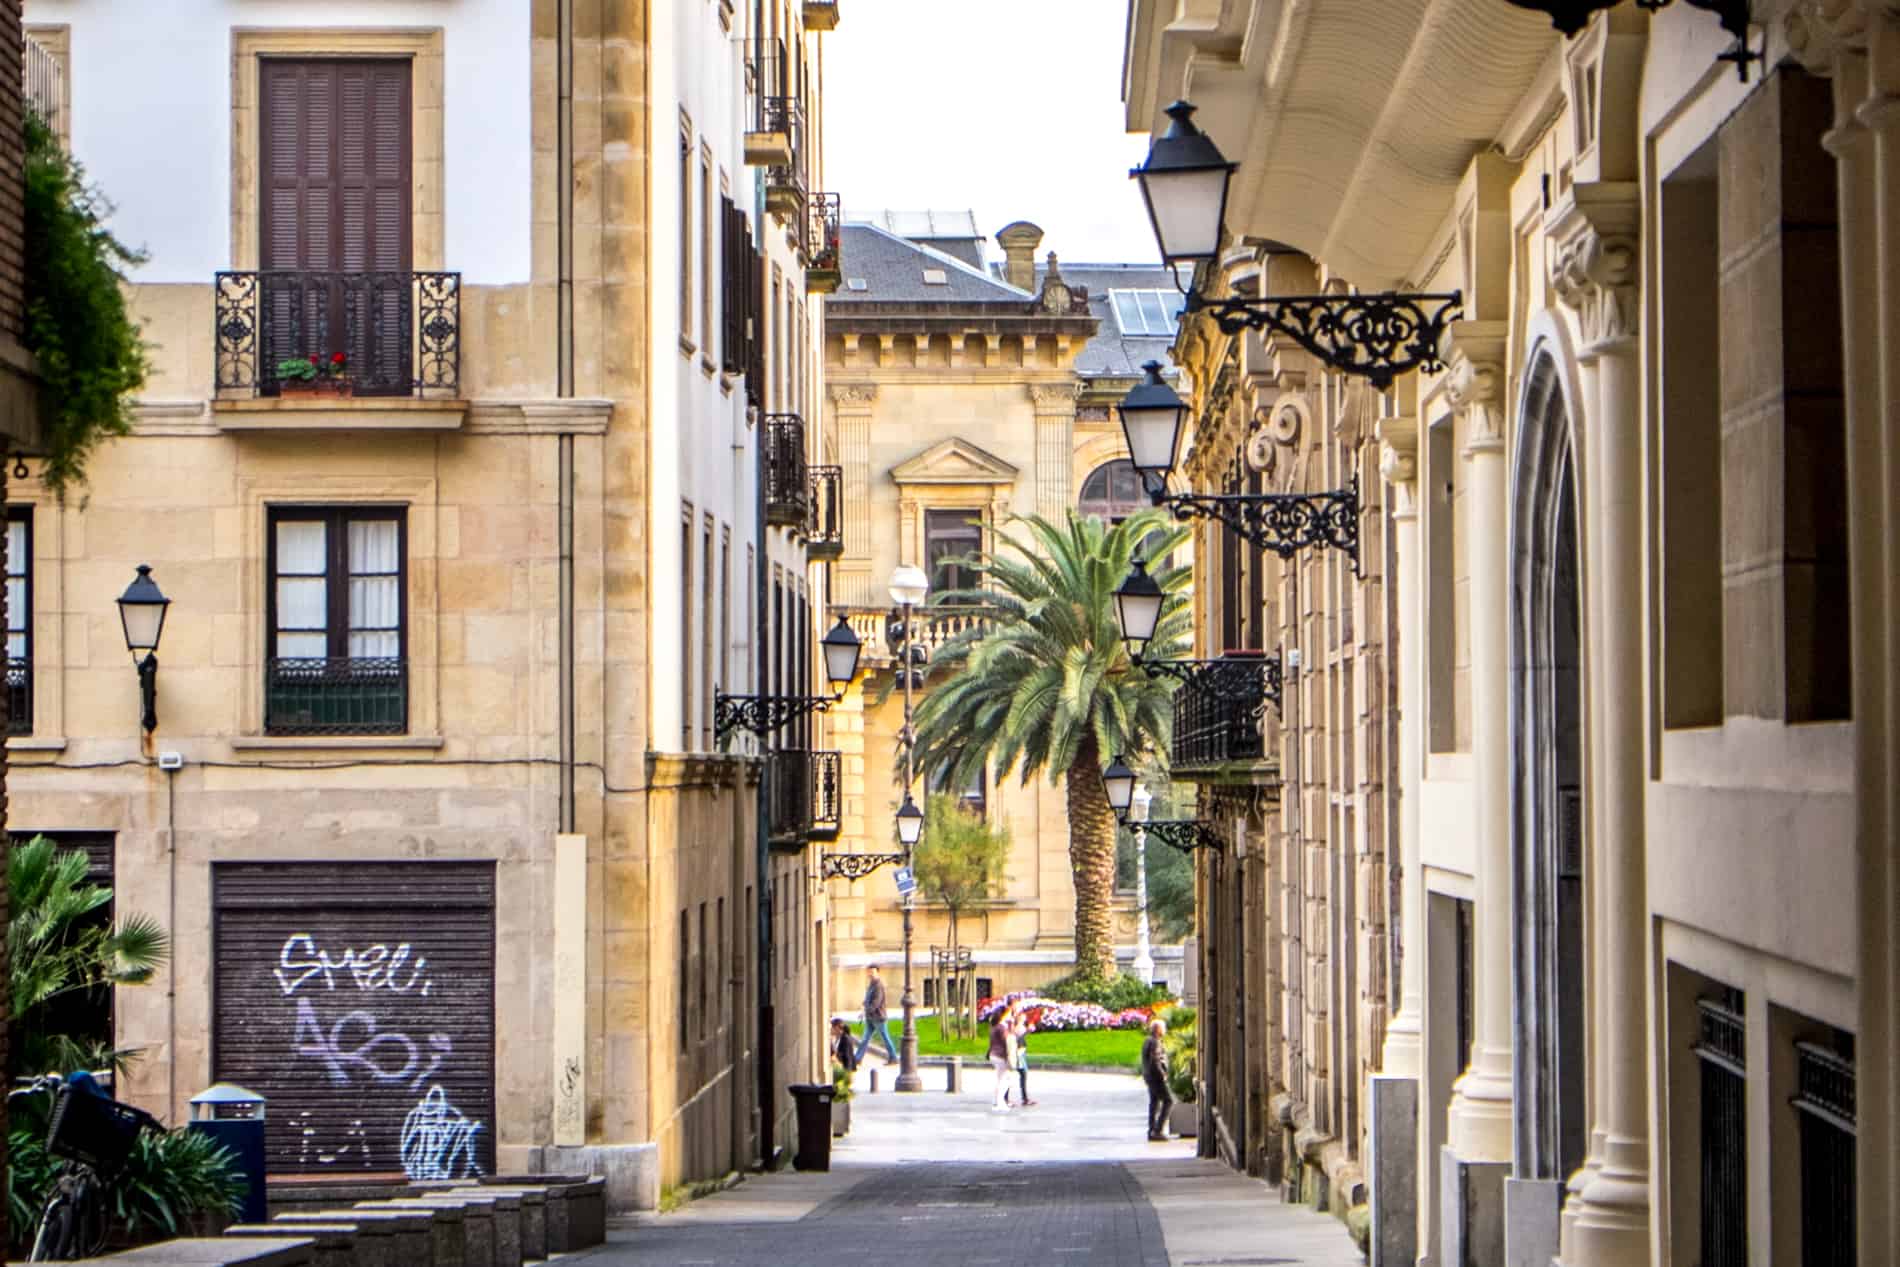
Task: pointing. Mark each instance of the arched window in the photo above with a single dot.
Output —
(1113, 491)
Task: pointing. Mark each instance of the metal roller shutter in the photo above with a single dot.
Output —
(359, 999)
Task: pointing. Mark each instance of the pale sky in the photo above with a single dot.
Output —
(1009, 108)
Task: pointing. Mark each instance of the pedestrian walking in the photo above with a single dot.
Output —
(1154, 1071)
(1023, 1028)
(875, 1020)
(843, 1049)
(999, 1061)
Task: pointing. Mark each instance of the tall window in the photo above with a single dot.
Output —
(708, 653)
(19, 620)
(725, 607)
(685, 964)
(1113, 491)
(338, 635)
(686, 235)
(686, 631)
(972, 796)
(702, 966)
(706, 252)
(950, 535)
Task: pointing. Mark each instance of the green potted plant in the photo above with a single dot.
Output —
(1183, 1044)
(840, 1100)
(312, 375)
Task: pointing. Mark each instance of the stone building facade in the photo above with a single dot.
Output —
(457, 871)
(1640, 957)
(965, 391)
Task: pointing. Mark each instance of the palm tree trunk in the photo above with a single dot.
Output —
(1092, 860)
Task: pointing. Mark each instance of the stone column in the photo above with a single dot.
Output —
(1595, 273)
(1395, 1088)
(1055, 447)
(852, 403)
(1477, 1153)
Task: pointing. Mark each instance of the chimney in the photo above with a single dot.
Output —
(1019, 242)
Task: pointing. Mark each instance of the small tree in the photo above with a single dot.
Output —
(958, 862)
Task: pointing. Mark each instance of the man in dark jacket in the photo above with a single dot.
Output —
(1154, 1071)
(875, 1019)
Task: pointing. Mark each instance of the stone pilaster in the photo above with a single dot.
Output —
(1055, 447)
(1595, 269)
(851, 405)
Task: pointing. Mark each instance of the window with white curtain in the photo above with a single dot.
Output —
(337, 637)
(20, 620)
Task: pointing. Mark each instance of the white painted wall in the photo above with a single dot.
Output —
(151, 92)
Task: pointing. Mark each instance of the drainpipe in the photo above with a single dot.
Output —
(564, 360)
(767, 1038)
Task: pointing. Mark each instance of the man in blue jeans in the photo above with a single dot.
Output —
(875, 1021)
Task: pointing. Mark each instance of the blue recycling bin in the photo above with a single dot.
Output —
(234, 1117)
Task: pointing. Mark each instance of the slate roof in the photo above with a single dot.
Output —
(1111, 353)
(952, 232)
(892, 270)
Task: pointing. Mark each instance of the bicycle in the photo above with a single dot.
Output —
(93, 1135)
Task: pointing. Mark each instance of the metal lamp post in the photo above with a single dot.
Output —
(909, 588)
(1144, 954)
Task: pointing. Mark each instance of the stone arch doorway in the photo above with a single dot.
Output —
(1547, 795)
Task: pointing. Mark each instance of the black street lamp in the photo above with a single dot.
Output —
(142, 616)
(910, 823)
(1138, 601)
(763, 714)
(1376, 336)
(1118, 784)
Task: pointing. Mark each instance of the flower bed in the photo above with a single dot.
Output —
(1051, 1015)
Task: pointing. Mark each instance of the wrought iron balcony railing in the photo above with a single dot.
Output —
(824, 534)
(787, 484)
(1213, 729)
(824, 239)
(19, 696)
(336, 696)
(397, 334)
(807, 795)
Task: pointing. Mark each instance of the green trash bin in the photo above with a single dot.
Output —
(814, 1125)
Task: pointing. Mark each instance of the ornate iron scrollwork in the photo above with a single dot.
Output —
(762, 714)
(1244, 679)
(1376, 337)
(1185, 834)
(1571, 16)
(1284, 523)
(855, 866)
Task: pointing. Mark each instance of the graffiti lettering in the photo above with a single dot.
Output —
(369, 968)
(376, 1052)
(438, 1142)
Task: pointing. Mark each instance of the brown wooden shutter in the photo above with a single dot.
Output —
(336, 201)
(732, 294)
(755, 325)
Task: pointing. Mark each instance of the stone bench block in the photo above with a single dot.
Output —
(534, 1214)
(576, 1207)
(410, 1243)
(478, 1224)
(336, 1243)
(448, 1239)
(280, 1251)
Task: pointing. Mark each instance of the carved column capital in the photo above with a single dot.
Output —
(1473, 352)
(1595, 266)
(852, 396)
(1054, 398)
(1398, 449)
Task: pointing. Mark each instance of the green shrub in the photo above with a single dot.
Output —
(1116, 993)
(170, 1179)
(840, 1081)
(1184, 1049)
(91, 356)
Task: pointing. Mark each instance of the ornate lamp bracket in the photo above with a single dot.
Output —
(1376, 337)
(1246, 679)
(1185, 834)
(855, 866)
(762, 714)
(1284, 523)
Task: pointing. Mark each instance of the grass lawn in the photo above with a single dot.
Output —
(1104, 1048)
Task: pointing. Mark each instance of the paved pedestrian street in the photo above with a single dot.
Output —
(936, 1178)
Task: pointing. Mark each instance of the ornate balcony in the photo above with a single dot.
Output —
(824, 237)
(806, 796)
(787, 483)
(1220, 724)
(336, 696)
(774, 138)
(935, 626)
(824, 534)
(383, 334)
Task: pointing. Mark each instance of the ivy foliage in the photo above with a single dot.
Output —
(91, 355)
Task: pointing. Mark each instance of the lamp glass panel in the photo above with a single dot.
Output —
(1118, 783)
(841, 661)
(1152, 433)
(142, 623)
(1186, 207)
(1140, 613)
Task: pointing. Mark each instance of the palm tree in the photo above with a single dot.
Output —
(1047, 684)
(55, 951)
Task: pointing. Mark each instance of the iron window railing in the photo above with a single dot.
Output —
(1721, 1051)
(824, 233)
(398, 333)
(1213, 729)
(336, 696)
(19, 695)
(1825, 1097)
(787, 483)
(824, 534)
(827, 795)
